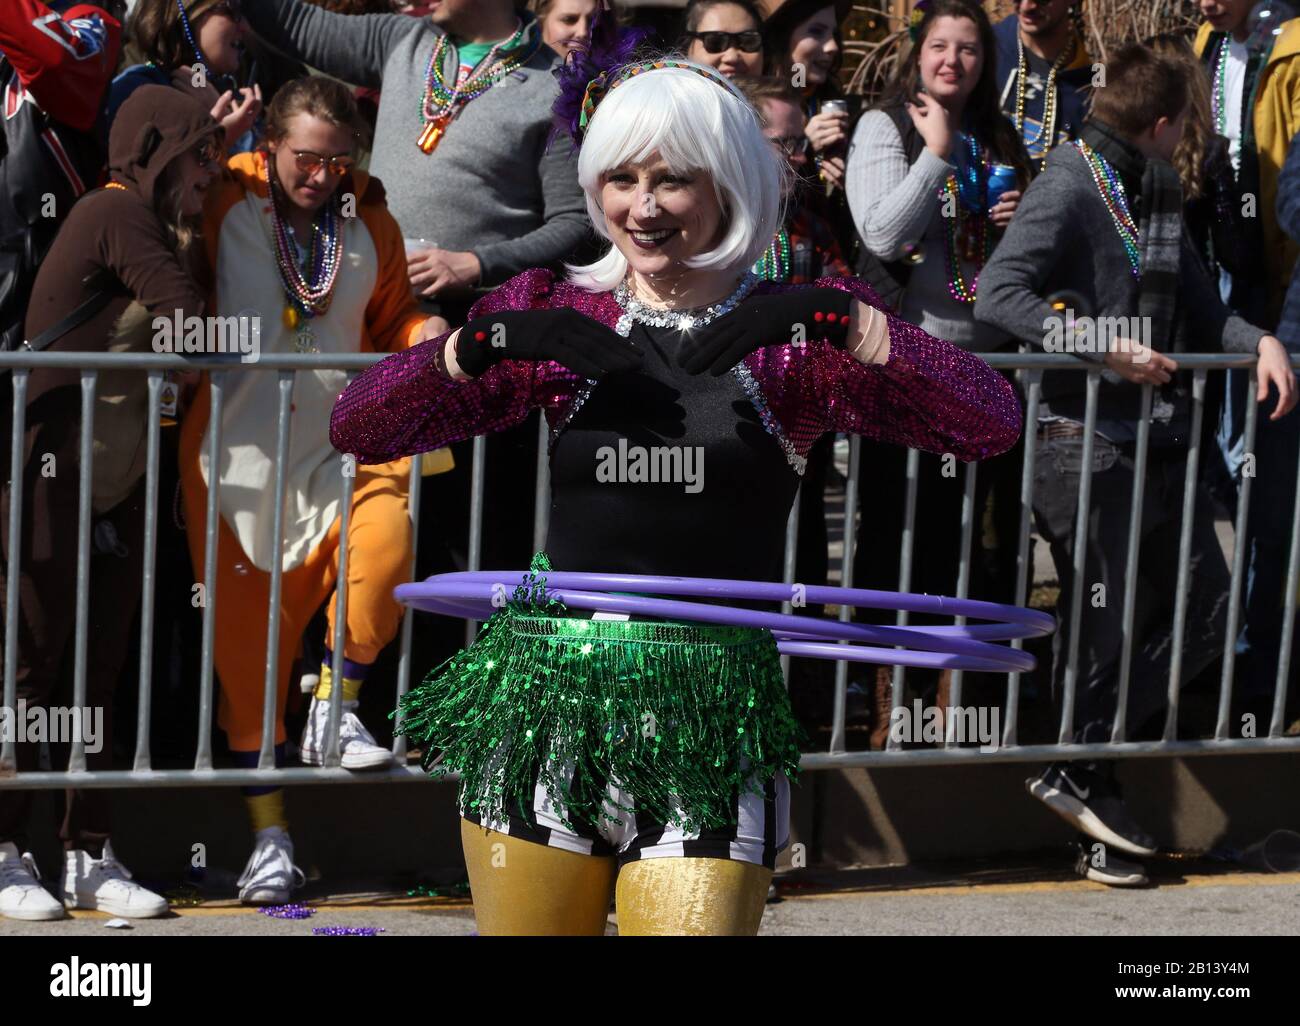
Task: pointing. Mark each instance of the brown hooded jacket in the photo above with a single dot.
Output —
(114, 241)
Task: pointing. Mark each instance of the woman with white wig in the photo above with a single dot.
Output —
(652, 753)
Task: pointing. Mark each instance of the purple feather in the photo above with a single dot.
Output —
(610, 47)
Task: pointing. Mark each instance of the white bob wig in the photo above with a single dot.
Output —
(698, 121)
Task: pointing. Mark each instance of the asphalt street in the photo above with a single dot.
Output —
(864, 903)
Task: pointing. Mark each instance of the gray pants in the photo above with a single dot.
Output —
(1057, 474)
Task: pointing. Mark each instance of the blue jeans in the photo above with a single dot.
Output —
(1268, 527)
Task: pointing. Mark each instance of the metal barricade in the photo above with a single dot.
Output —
(286, 366)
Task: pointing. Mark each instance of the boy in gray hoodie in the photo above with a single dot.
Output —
(1104, 223)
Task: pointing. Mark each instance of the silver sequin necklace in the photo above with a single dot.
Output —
(635, 311)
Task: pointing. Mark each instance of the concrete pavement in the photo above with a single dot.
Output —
(901, 902)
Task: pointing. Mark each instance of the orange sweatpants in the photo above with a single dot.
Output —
(379, 559)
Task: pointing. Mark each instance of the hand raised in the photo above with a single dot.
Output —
(578, 342)
(935, 125)
(770, 320)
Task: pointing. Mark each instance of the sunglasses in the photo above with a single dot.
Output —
(792, 145)
(208, 154)
(309, 163)
(720, 42)
(230, 8)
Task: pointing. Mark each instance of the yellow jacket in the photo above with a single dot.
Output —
(1276, 121)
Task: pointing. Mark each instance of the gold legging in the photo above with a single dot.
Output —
(521, 887)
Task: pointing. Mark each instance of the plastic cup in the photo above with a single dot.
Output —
(1279, 852)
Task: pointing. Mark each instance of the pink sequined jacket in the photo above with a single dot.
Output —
(929, 395)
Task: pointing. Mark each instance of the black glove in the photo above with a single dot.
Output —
(768, 321)
(578, 342)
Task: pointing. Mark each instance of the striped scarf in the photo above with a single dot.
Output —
(1160, 227)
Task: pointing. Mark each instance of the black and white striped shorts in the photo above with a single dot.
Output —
(759, 827)
(760, 832)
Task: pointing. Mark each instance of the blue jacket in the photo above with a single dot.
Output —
(1072, 82)
(129, 81)
(138, 75)
(1288, 218)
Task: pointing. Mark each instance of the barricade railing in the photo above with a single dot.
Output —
(1007, 749)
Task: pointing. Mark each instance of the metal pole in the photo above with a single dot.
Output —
(788, 558)
(1182, 590)
(905, 577)
(1238, 566)
(408, 617)
(838, 741)
(542, 497)
(1131, 565)
(332, 755)
(1080, 555)
(270, 683)
(476, 484)
(8, 752)
(148, 585)
(1024, 562)
(967, 528)
(77, 760)
(216, 389)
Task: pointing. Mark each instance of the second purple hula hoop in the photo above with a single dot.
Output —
(477, 595)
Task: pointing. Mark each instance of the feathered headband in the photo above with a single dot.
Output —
(608, 60)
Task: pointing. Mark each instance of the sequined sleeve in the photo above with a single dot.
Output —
(405, 405)
(929, 394)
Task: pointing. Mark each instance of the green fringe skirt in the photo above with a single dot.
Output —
(682, 716)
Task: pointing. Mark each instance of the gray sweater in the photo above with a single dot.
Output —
(491, 187)
(894, 204)
(1062, 237)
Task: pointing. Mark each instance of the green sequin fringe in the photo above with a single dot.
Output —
(682, 716)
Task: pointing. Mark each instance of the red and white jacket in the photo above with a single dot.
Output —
(55, 68)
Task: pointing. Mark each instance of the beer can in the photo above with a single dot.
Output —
(831, 107)
(1002, 178)
(168, 400)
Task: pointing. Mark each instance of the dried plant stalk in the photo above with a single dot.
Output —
(1110, 23)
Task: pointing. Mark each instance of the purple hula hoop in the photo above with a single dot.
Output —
(477, 594)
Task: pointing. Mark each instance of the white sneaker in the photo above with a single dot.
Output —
(21, 893)
(270, 874)
(356, 746)
(106, 884)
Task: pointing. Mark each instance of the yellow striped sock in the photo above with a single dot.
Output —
(267, 810)
(351, 685)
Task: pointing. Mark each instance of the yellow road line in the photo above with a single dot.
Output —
(405, 904)
(1047, 886)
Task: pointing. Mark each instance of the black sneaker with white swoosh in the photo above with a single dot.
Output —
(1093, 862)
(1090, 802)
